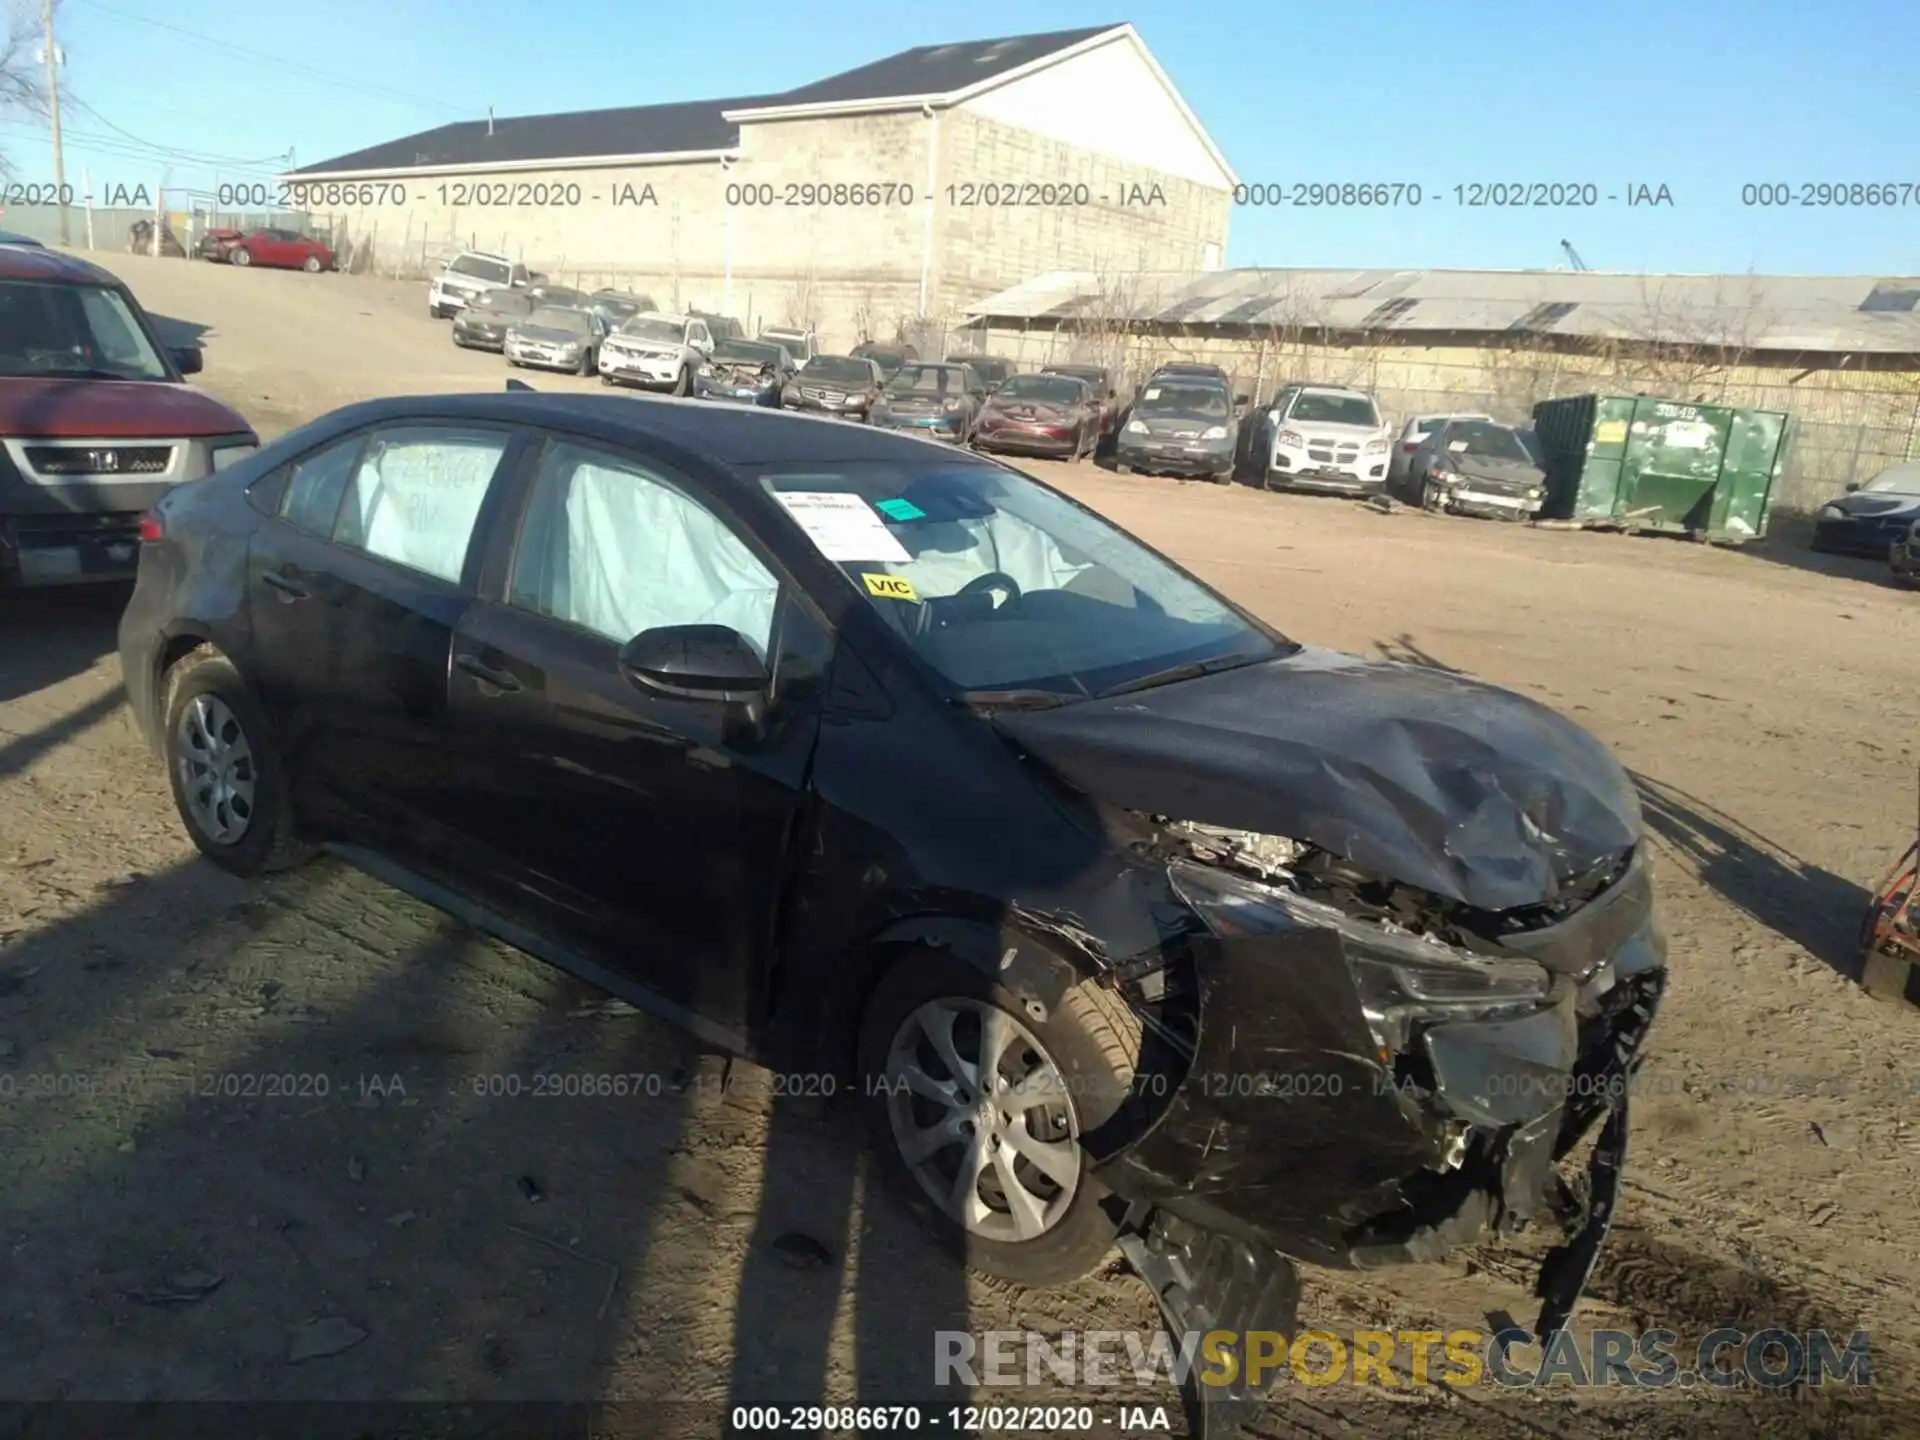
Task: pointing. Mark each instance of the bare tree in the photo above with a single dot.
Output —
(802, 310)
(865, 317)
(1685, 343)
(23, 89)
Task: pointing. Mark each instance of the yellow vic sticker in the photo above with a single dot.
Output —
(889, 587)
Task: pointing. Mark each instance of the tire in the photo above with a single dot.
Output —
(1093, 1041)
(1222, 477)
(605, 379)
(1430, 499)
(240, 256)
(683, 386)
(434, 312)
(587, 363)
(204, 693)
(1120, 467)
(312, 265)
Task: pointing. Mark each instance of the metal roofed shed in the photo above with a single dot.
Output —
(1634, 462)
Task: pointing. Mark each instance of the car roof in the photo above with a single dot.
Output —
(667, 315)
(723, 434)
(28, 262)
(482, 255)
(1339, 390)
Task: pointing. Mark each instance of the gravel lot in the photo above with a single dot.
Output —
(1756, 694)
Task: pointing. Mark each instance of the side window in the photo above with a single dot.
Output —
(112, 328)
(312, 498)
(612, 548)
(416, 493)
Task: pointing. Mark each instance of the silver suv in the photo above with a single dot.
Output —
(472, 273)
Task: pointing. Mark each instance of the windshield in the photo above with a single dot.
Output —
(1049, 389)
(1900, 480)
(837, 369)
(1096, 379)
(1486, 441)
(1209, 401)
(507, 302)
(480, 269)
(1324, 409)
(885, 359)
(86, 330)
(747, 350)
(575, 322)
(928, 380)
(643, 327)
(933, 547)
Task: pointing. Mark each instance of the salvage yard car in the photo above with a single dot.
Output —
(96, 420)
(1179, 426)
(1416, 430)
(1040, 415)
(556, 337)
(467, 275)
(938, 401)
(889, 358)
(276, 249)
(484, 323)
(1123, 916)
(843, 385)
(1478, 467)
(1324, 438)
(745, 372)
(656, 351)
(1868, 518)
(1100, 382)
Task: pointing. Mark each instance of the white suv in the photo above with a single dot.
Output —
(469, 274)
(657, 350)
(1322, 437)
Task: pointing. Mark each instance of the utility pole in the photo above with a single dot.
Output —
(53, 111)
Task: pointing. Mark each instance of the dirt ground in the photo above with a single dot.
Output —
(282, 1088)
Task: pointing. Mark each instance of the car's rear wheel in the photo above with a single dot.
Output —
(312, 265)
(587, 363)
(228, 781)
(978, 1105)
(240, 256)
(683, 384)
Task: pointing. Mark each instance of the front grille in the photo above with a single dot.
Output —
(814, 392)
(63, 460)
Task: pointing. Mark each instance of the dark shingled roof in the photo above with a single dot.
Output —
(698, 124)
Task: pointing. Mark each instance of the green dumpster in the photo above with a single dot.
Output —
(1640, 463)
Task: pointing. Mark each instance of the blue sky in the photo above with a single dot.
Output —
(1701, 98)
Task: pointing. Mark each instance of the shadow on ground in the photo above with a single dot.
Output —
(1814, 908)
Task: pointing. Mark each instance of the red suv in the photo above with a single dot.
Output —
(96, 423)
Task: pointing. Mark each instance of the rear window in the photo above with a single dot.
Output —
(1051, 389)
(77, 331)
(1485, 441)
(929, 380)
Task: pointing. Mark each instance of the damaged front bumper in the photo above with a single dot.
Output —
(1294, 1129)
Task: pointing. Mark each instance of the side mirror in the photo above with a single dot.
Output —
(188, 360)
(695, 662)
(1852, 485)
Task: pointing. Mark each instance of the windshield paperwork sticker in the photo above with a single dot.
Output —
(889, 587)
(1458, 445)
(1153, 394)
(843, 526)
(899, 509)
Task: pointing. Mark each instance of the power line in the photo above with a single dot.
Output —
(105, 146)
(324, 77)
(279, 159)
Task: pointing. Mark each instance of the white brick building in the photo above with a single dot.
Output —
(888, 197)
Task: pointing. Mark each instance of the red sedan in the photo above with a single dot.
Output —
(280, 250)
(1040, 415)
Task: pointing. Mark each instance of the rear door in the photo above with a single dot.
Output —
(354, 592)
(653, 831)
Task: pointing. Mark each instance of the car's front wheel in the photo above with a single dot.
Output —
(228, 781)
(683, 384)
(312, 265)
(240, 256)
(1431, 498)
(978, 1106)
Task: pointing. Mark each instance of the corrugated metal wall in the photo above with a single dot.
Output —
(1850, 423)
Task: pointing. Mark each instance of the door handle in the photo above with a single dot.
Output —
(485, 673)
(289, 588)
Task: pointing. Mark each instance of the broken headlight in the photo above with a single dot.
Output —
(1403, 981)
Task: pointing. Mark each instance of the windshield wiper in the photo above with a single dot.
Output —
(1015, 699)
(78, 372)
(1173, 674)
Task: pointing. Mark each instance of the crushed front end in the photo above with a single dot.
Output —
(1357, 1073)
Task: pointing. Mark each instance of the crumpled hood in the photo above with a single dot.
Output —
(1864, 505)
(1427, 777)
(112, 410)
(1514, 473)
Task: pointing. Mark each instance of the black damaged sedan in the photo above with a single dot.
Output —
(1128, 919)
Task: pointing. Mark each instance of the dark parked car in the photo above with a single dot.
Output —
(992, 370)
(483, 323)
(564, 296)
(1477, 467)
(1042, 414)
(215, 244)
(721, 327)
(835, 385)
(616, 307)
(888, 357)
(1180, 426)
(938, 401)
(1870, 517)
(1903, 559)
(96, 421)
(1125, 917)
(746, 372)
(1100, 381)
(556, 337)
(14, 237)
(280, 250)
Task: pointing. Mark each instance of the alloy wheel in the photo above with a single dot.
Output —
(216, 767)
(983, 1119)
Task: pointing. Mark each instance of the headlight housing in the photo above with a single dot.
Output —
(1290, 437)
(1137, 427)
(1214, 432)
(233, 454)
(1377, 447)
(1831, 512)
(952, 405)
(1403, 981)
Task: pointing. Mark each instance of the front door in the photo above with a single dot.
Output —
(653, 829)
